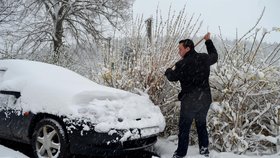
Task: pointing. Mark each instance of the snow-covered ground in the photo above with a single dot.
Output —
(164, 147)
(10, 153)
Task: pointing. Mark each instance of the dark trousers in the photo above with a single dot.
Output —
(193, 106)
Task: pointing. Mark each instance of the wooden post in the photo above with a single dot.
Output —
(149, 22)
(278, 132)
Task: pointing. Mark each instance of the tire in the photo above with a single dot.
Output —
(49, 140)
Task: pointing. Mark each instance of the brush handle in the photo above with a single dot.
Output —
(197, 43)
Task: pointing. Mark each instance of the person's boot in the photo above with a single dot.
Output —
(204, 151)
(176, 156)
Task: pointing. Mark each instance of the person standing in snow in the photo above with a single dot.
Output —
(192, 71)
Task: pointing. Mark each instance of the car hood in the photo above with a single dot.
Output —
(56, 90)
(119, 112)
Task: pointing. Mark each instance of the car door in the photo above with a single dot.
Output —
(5, 101)
(19, 121)
(3, 104)
(15, 121)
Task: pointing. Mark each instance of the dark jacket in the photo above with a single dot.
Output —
(193, 70)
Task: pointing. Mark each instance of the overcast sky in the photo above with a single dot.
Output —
(228, 14)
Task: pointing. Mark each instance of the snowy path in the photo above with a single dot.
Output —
(163, 146)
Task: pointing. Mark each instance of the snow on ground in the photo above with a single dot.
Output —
(10, 153)
(164, 147)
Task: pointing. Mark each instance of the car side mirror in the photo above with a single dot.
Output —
(14, 93)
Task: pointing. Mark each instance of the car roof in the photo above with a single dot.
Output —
(42, 84)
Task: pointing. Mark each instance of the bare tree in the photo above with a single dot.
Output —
(62, 23)
(7, 9)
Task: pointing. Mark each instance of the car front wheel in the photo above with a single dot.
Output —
(49, 140)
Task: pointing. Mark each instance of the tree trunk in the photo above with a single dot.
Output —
(56, 11)
(57, 41)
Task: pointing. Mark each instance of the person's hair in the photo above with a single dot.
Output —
(187, 43)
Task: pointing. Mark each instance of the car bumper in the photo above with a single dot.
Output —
(100, 144)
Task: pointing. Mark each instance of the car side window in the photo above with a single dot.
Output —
(4, 101)
(2, 71)
(7, 101)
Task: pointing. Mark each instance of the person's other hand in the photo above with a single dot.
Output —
(207, 36)
(168, 70)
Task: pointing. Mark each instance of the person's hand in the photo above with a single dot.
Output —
(167, 71)
(207, 36)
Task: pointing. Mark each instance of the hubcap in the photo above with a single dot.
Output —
(47, 144)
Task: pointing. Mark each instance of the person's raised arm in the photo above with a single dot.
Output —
(213, 55)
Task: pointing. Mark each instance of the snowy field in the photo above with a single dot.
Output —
(164, 147)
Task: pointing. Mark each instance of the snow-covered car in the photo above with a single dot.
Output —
(60, 112)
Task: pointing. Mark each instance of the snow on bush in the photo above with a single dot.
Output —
(246, 88)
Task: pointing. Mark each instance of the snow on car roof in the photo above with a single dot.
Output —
(50, 85)
(53, 89)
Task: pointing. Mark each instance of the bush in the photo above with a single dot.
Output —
(246, 89)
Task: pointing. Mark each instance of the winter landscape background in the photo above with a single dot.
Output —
(105, 43)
